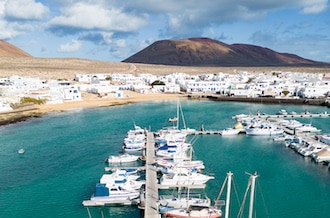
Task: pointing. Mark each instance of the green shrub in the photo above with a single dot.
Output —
(157, 83)
(285, 92)
(32, 100)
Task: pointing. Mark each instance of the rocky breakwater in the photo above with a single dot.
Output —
(263, 100)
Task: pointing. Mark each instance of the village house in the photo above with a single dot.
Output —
(273, 84)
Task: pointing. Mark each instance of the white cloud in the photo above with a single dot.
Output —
(314, 6)
(104, 22)
(7, 32)
(96, 17)
(72, 46)
(25, 9)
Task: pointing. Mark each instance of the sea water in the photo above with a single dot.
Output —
(65, 152)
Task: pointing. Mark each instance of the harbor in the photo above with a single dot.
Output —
(284, 173)
(149, 200)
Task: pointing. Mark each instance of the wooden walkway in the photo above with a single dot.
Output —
(151, 188)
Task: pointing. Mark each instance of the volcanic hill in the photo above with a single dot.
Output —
(209, 52)
(9, 50)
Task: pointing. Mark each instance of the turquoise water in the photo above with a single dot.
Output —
(65, 152)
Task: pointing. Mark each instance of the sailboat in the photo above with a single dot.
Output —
(213, 212)
(176, 120)
(203, 211)
(251, 185)
(182, 200)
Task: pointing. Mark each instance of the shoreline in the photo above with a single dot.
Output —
(89, 101)
(92, 101)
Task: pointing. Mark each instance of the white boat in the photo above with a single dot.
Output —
(125, 158)
(135, 142)
(295, 142)
(307, 128)
(291, 124)
(171, 170)
(282, 112)
(124, 182)
(105, 195)
(21, 151)
(198, 164)
(323, 155)
(138, 131)
(184, 179)
(194, 212)
(283, 137)
(325, 139)
(264, 130)
(172, 152)
(229, 131)
(132, 148)
(311, 149)
(240, 116)
(121, 174)
(170, 202)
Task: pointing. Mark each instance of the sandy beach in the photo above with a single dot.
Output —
(92, 101)
(89, 101)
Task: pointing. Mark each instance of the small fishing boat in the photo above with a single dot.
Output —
(21, 151)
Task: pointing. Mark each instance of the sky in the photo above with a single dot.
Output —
(113, 30)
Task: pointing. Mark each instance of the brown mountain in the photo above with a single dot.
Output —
(209, 52)
(9, 50)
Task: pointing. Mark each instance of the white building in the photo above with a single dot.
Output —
(314, 91)
(206, 86)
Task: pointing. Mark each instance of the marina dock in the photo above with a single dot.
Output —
(149, 196)
(307, 115)
(151, 187)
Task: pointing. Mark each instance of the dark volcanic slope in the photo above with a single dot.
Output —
(209, 52)
(9, 50)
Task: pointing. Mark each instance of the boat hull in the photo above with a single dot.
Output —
(205, 213)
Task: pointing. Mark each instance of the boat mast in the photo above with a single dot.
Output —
(251, 184)
(229, 177)
(227, 182)
(253, 181)
(182, 117)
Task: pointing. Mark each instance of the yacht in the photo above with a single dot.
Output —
(105, 195)
(307, 128)
(184, 178)
(264, 130)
